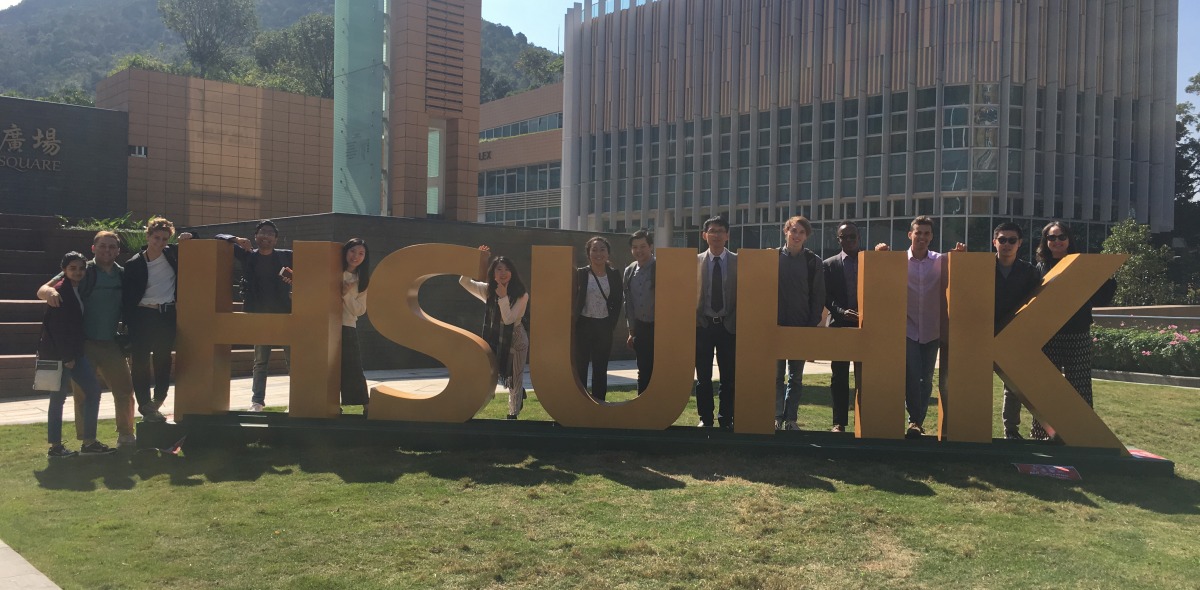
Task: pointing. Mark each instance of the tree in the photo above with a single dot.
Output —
(493, 86)
(141, 61)
(212, 30)
(70, 95)
(303, 51)
(1143, 279)
(539, 66)
(64, 95)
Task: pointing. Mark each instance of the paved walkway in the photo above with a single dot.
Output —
(32, 410)
(16, 573)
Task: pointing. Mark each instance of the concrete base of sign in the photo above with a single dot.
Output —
(210, 432)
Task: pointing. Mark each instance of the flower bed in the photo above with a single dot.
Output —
(1167, 350)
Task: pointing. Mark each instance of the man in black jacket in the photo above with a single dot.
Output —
(266, 288)
(148, 302)
(841, 299)
(1016, 280)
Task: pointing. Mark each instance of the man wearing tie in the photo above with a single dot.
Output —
(715, 322)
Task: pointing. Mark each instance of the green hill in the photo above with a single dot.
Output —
(46, 45)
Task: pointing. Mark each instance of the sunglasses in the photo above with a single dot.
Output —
(1058, 238)
(1003, 240)
(848, 237)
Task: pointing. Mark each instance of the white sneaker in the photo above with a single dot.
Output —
(126, 440)
(256, 407)
(778, 424)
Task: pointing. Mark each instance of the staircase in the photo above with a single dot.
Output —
(31, 248)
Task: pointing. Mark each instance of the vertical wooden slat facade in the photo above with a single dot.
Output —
(1077, 122)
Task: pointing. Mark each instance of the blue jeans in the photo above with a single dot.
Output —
(787, 398)
(84, 375)
(258, 380)
(918, 382)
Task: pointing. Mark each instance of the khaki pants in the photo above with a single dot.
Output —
(106, 356)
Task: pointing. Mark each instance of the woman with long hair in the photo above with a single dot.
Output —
(503, 323)
(356, 277)
(598, 301)
(1071, 348)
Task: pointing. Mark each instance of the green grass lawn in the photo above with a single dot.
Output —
(262, 517)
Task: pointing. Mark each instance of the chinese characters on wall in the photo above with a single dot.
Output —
(24, 152)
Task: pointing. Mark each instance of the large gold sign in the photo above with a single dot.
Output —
(207, 328)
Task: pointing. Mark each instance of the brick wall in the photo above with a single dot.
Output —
(218, 152)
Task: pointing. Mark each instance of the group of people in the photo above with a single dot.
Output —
(807, 287)
(90, 299)
(86, 303)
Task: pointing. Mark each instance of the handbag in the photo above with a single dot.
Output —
(48, 375)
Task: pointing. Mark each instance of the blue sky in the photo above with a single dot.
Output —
(542, 22)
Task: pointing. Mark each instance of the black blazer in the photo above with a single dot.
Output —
(62, 327)
(137, 275)
(616, 296)
(837, 299)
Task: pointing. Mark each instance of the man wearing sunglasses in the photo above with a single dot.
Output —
(1015, 281)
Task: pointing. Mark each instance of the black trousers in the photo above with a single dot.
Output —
(643, 350)
(354, 385)
(839, 389)
(593, 344)
(151, 339)
(715, 337)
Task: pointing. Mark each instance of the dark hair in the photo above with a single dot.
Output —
(515, 287)
(1043, 251)
(364, 269)
(587, 248)
(846, 223)
(718, 220)
(266, 223)
(642, 234)
(1008, 226)
(921, 220)
(70, 257)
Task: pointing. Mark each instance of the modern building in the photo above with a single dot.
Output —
(520, 159)
(872, 110)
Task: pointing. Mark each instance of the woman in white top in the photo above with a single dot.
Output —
(598, 301)
(503, 327)
(356, 276)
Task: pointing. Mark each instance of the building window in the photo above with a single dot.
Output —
(137, 151)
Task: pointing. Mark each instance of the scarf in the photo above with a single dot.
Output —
(498, 336)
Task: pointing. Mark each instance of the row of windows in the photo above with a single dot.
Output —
(540, 177)
(975, 231)
(534, 125)
(535, 217)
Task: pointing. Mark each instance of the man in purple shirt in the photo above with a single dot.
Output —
(926, 306)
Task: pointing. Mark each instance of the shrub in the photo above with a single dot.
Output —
(1165, 351)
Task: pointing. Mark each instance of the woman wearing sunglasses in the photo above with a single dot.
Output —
(1071, 348)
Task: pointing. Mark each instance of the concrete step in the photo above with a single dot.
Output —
(38, 222)
(19, 337)
(22, 285)
(16, 371)
(30, 261)
(23, 239)
(13, 310)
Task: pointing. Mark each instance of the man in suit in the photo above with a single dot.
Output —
(716, 314)
(841, 299)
